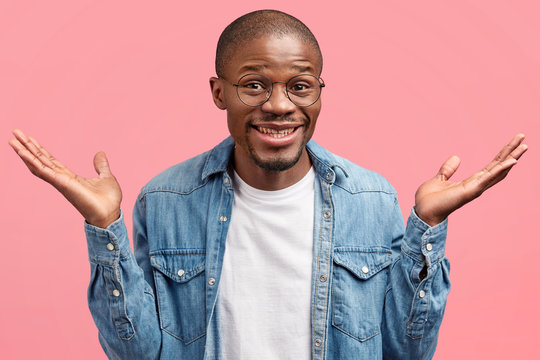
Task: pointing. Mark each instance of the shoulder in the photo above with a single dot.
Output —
(180, 178)
(349, 176)
(191, 174)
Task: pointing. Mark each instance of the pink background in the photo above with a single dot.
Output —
(408, 86)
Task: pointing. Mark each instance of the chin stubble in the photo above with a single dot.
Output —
(274, 165)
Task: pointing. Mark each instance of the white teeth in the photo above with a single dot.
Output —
(275, 133)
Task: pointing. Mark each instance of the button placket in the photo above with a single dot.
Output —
(324, 234)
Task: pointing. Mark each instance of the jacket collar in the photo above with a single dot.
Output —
(218, 158)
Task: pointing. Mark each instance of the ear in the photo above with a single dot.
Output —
(216, 86)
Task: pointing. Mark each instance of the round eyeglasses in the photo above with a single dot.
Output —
(255, 89)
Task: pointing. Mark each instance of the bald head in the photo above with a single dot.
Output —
(259, 24)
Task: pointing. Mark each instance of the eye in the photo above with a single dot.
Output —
(253, 86)
(299, 87)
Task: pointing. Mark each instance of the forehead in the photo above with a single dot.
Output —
(272, 55)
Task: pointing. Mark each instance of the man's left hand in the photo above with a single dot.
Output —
(437, 198)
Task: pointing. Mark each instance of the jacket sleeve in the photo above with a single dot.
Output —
(120, 299)
(414, 308)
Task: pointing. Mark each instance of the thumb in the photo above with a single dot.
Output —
(101, 164)
(449, 168)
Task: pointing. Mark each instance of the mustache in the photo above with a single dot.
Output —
(276, 118)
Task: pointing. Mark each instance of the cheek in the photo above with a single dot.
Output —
(232, 124)
(313, 115)
(236, 121)
(231, 101)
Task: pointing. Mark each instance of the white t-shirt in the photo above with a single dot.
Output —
(264, 298)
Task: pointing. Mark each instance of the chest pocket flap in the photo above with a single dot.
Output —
(180, 290)
(363, 262)
(179, 265)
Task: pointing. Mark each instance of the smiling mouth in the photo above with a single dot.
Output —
(274, 132)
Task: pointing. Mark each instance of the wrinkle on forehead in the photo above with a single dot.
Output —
(273, 53)
(258, 68)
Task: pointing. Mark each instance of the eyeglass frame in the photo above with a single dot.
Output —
(237, 85)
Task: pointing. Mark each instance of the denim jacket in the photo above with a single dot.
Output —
(367, 299)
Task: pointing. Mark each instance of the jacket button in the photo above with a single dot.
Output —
(323, 278)
(223, 218)
(365, 269)
(328, 175)
(181, 272)
(226, 180)
(211, 281)
(110, 246)
(116, 293)
(429, 247)
(318, 342)
(421, 294)
(327, 214)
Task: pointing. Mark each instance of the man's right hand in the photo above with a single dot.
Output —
(97, 199)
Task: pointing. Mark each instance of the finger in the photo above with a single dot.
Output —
(497, 179)
(518, 152)
(30, 159)
(101, 164)
(31, 147)
(488, 178)
(33, 164)
(506, 150)
(54, 162)
(19, 135)
(449, 168)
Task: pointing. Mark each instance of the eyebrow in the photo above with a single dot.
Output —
(255, 68)
(302, 69)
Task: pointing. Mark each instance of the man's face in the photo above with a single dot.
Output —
(271, 136)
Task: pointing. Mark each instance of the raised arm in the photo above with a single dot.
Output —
(120, 299)
(419, 277)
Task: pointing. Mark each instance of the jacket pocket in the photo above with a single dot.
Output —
(358, 288)
(180, 291)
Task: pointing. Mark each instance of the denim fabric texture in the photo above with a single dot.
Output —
(368, 301)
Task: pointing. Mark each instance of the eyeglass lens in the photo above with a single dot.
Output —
(255, 89)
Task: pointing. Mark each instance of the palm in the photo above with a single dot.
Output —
(438, 197)
(97, 199)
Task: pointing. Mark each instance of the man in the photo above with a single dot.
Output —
(267, 246)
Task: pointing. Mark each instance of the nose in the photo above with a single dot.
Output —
(278, 103)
